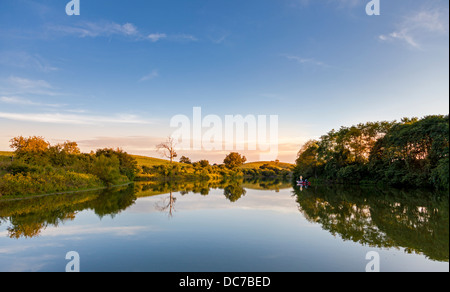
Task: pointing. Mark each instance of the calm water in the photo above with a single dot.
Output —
(255, 227)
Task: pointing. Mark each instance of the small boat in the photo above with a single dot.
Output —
(303, 183)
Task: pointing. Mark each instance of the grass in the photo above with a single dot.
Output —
(150, 161)
(258, 164)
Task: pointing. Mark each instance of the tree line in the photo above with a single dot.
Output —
(412, 152)
(38, 167)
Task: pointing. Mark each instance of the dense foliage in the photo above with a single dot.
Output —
(38, 167)
(412, 152)
(203, 170)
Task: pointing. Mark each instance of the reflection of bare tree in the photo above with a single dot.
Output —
(167, 203)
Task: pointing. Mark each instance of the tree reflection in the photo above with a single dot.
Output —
(167, 204)
(414, 220)
(29, 217)
(234, 192)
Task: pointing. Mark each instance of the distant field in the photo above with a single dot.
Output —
(150, 161)
(258, 164)
(6, 153)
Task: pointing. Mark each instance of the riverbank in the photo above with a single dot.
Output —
(54, 170)
(411, 153)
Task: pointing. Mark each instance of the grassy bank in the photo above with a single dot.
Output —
(40, 168)
(152, 169)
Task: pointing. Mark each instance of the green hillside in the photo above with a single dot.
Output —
(258, 164)
(150, 161)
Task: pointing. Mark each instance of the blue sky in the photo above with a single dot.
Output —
(116, 74)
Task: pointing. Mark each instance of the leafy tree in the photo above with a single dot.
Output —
(185, 160)
(234, 160)
(127, 164)
(34, 144)
(203, 163)
(413, 152)
(308, 159)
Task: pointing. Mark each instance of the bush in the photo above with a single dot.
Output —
(41, 183)
(440, 175)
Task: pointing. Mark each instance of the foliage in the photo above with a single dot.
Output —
(185, 159)
(38, 167)
(42, 183)
(413, 152)
(234, 160)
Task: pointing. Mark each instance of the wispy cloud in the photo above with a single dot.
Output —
(96, 29)
(340, 4)
(108, 29)
(74, 119)
(154, 37)
(305, 61)
(220, 39)
(415, 28)
(25, 102)
(27, 61)
(17, 86)
(150, 76)
(184, 37)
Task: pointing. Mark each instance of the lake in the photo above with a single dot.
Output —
(227, 227)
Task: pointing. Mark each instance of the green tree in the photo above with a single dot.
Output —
(307, 161)
(234, 160)
(185, 160)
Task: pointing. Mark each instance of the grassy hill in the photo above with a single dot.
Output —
(258, 164)
(5, 157)
(150, 161)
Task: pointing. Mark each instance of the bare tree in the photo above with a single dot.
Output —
(167, 204)
(167, 149)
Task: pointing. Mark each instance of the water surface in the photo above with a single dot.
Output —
(231, 227)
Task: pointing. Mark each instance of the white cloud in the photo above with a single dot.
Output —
(150, 76)
(340, 4)
(16, 86)
(421, 25)
(96, 29)
(154, 37)
(108, 29)
(74, 119)
(185, 37)
(27, 61)
(28, 83)
(301, 60)
(26, 102)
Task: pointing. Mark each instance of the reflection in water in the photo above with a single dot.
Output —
(29, 217)
(167, 204)
(415, 220)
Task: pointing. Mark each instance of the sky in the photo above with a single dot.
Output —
(115, 75)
